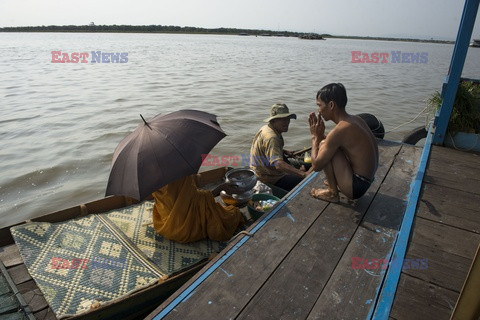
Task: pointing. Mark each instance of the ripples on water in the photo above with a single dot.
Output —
(60, 123)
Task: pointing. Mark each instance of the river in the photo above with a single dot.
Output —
(60, 122)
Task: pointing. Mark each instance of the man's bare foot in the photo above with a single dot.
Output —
(325, 182)
(325, 194)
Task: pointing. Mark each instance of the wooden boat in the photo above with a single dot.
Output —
(25, 296)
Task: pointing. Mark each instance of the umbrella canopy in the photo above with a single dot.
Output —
(162, 150)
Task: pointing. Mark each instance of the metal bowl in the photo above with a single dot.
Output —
(244, 179)
(236, 199)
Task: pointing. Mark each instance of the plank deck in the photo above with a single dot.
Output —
(299, 264)
(445, 233)
(302, 261)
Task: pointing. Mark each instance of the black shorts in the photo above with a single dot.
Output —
(288, 182)
(360, 185)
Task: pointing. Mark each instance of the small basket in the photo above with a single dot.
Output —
(257, 197)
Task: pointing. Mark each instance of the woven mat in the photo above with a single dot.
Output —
(99, 258)
(170, 256)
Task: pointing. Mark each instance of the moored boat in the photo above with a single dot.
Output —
(475, 43)
(33, 291)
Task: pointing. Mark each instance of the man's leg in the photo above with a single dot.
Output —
(339, 176)
(288, 182)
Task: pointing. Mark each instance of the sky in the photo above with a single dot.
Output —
(424, 19)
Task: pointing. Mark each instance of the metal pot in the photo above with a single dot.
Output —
(236, 199)
(244, 179)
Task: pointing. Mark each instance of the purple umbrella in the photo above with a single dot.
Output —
(162, 150)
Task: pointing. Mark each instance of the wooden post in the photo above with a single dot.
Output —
(468, 304)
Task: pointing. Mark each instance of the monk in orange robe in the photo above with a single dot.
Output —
(184, 213)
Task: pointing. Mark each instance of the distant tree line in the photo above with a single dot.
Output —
(176, 29)
(152, 29)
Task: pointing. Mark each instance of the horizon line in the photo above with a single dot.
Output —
(231, 30)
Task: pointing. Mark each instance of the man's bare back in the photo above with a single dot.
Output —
(359, 145)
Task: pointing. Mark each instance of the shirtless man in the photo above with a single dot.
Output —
(348, 154)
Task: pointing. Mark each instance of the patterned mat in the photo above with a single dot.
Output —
(170, 256)
(99, 258)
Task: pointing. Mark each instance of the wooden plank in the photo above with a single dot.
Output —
(8, 303)
(35, 300)
(45, 314)
(27, 286)
(11, 298)
(452, 180)
(19, 274)
(228, 289)
(448, 196)
(4, 286)
(13, 316)
(417, 299)
(446, 238)
(449, 206)
(444, 269)
(455, 159)
(351, 292)
(299, 280)
(454, 169)
(97, 206)
(464, 171)
(10, 256)
(455, 156)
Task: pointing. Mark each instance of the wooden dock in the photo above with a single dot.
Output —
(302, 260)
(446, 231)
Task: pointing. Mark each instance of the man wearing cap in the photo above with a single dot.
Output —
(267, 154)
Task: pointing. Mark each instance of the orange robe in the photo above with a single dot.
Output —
(184, 213)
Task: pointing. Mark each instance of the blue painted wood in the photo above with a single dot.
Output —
(455, 71)
(389, 287)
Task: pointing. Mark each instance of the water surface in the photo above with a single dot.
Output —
(60, 123)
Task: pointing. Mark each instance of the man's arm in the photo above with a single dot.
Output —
(325, 149)
(289, 169)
